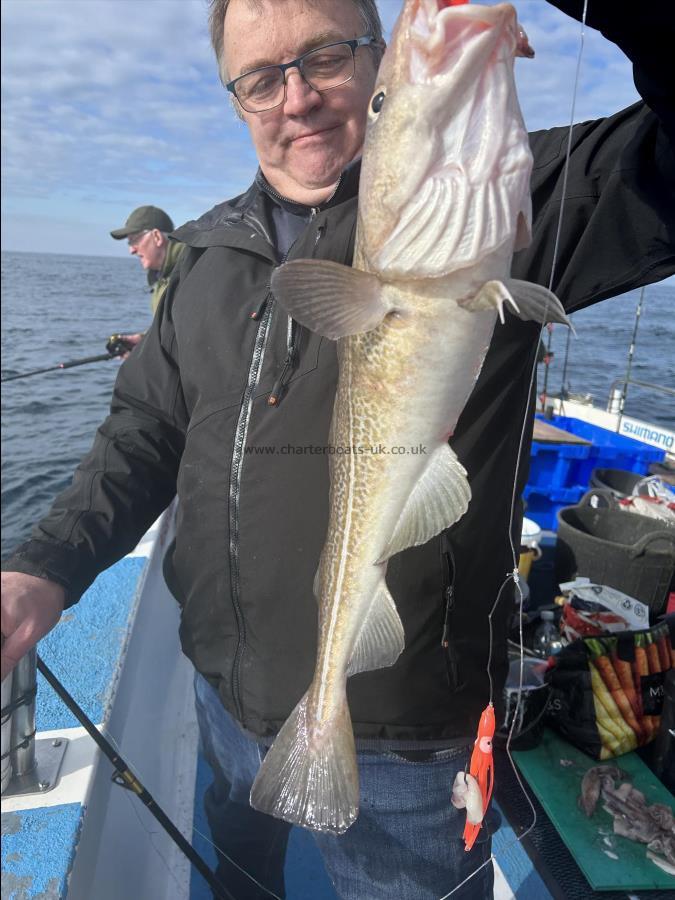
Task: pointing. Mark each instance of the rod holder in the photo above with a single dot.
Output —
(23, 718)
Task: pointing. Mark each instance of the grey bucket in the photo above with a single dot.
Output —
(618, 481)
(626, 551)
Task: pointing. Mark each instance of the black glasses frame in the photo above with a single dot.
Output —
(354, 44)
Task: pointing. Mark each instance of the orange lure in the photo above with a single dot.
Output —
(482, 768)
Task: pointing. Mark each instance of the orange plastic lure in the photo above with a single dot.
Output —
(482, 768)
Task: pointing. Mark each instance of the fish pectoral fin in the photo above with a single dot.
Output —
(309, 776)
(536, 303)
(380, 641)
(329, 298)
(493, 295)
(439, 498)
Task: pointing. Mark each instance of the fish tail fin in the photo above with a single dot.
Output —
(310, 775)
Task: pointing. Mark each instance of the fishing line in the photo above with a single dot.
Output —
(491, 859)
(533, 375)
(562, 201)
(513, 575)
(134, 807)
(150, 834)
(523, 430)
(236, 865)
(556, 246)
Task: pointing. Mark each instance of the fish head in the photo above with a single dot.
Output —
(446, 161)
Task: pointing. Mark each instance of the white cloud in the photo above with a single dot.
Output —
(108, 104)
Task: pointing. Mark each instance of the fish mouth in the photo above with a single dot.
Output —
(441, 35)
(452, 113)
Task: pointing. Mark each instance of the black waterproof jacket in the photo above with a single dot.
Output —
(191, 413)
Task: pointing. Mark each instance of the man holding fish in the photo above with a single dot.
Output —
(346, 593)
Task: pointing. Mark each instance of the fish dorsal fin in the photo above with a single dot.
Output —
(439, 498)
(329, 298)
(381, 639)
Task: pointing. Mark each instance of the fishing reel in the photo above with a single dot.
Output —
(117, 345)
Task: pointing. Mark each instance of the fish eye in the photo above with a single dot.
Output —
(377, 102)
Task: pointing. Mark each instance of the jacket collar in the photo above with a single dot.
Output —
(346, 188)
(245, 222)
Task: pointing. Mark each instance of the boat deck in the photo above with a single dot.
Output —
(88, 839)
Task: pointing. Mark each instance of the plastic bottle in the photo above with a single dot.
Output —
(546, 639)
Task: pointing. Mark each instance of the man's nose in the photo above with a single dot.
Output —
(301, 97)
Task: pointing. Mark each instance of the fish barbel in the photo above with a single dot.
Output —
(444, 200)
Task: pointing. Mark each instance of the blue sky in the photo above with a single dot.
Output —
(111, 104)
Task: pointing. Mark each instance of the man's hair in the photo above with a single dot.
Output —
(372, 24)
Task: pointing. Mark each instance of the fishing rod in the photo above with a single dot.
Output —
(116, 346)
(631, 354)
(126, 778)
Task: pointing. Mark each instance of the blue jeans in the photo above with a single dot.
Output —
(406, 843)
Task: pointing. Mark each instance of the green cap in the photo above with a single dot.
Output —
(145, 218)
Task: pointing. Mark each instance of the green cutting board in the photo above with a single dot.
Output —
(554, 770)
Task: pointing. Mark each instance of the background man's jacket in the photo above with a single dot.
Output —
(159, 281)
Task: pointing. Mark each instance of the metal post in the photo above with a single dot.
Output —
(6, 771)
(23, 718)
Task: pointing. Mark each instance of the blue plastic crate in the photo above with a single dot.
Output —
(554, 465)
(543, 503)
(608, 451)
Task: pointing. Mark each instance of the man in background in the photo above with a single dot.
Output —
(147, 234)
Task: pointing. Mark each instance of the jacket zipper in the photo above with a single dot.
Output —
(279, 387)
(448, 582)
(263, 316)
(235, 487)
(292, 336)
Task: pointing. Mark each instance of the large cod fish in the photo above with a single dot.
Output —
(444, 201)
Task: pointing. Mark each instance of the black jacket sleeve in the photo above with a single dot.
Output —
(618, 209)
(126, 480)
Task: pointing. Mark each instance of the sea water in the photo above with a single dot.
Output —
(59, 308)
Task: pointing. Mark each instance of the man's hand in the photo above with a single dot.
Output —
(132, 339)
(126, 341)
(31, 607)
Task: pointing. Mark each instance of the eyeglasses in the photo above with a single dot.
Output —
(134, 239)
(323, 68)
